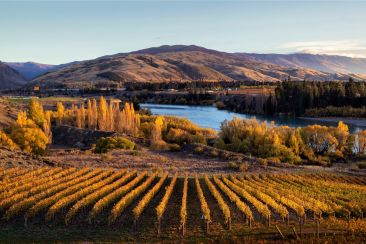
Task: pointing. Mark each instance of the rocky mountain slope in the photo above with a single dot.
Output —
(179, 63)
(10, 78)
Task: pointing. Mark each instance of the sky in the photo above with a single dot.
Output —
(55, 32)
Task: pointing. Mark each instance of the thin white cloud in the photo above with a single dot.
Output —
(350, 48)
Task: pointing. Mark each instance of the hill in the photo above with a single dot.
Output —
(31, 70)
(10, 78)
(325, 63)
(178, 63)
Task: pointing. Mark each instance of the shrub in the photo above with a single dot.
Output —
(214, 153)
(220, 105)
(146, 129)
(6, 141)
(243, 167)
(32, 140)
(262, 161)
(160, 145)
(273, 160)
(106, 157)
(174, 147)
(233, 165)
(361, 165)
(238, 166)
(181, 137)
(199, 149)
(106, 144)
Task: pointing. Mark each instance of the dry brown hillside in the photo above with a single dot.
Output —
(177, 63)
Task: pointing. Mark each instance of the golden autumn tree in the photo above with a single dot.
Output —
(89, 115)
(78, 118)
(95, 114)
(36, 112)
(27, 135)
(116, 112)
(6, 141)
(341, 133)
(102, 114)
(60, 112)
(110, 117)
(319, 139)
(47, 126)
(156, 140)
(83, 114)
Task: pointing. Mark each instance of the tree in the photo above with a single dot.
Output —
(341, 133)
(110, 119)
(78, 118)
(47, 126)
(36, 112)
(27, 135)
(102, 114)
(95, 114)
(82, 115)
(6, 141)
(90, 115)
(60, 112)
(360, 142)
(156, 131)
(319, 139)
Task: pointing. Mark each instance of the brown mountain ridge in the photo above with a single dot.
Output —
(182, 64)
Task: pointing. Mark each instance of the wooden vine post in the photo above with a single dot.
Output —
(288, 219)
(269, 220)
(183, 229)
(207, 227)
(159, 227)
(300, 225)
(318, 229)
(295, 233)
(250, 223)
(229, 224)
(279, 231)
(25, 222)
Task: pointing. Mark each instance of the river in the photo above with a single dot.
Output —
(211, 117)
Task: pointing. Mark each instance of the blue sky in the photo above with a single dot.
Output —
(57, 32)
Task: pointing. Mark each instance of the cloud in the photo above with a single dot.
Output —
(350, 48)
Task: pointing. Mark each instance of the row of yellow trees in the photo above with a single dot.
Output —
(32, 130)
(315, 142)
(106, 116)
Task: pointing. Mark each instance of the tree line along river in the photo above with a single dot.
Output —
(211, 117)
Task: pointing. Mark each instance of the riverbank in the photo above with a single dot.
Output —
(212, 117)
(357, 122)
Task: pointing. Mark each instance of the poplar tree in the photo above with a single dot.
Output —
(156, 131)
(90, 115)
(102, 114)
(36, 112)
(60, 112)
(47, 126)
(95, 114)
(82, 115)
(78, 118)
(110, 119)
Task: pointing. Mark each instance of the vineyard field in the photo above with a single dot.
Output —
(127, 204)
